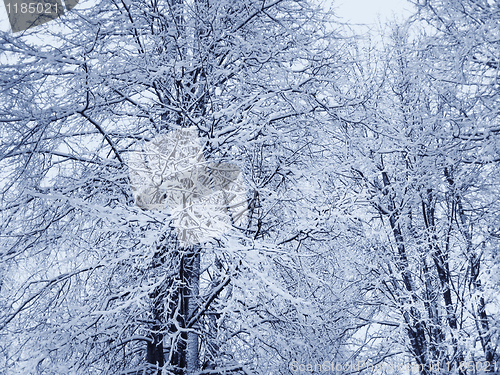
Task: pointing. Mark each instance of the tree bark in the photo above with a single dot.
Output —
(193, 281)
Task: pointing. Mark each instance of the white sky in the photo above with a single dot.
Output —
(353, 11)
(370, 11)
(4, 21)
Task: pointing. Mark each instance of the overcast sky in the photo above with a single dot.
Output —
(368, 11)
(4, 23)
(354, 11)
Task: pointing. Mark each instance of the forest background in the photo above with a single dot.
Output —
(370, 228)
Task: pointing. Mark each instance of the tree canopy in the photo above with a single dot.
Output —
(214, 187)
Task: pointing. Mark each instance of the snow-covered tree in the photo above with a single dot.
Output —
(423, 163)
(96, 282)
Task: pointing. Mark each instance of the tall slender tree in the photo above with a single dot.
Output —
(425, 177)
